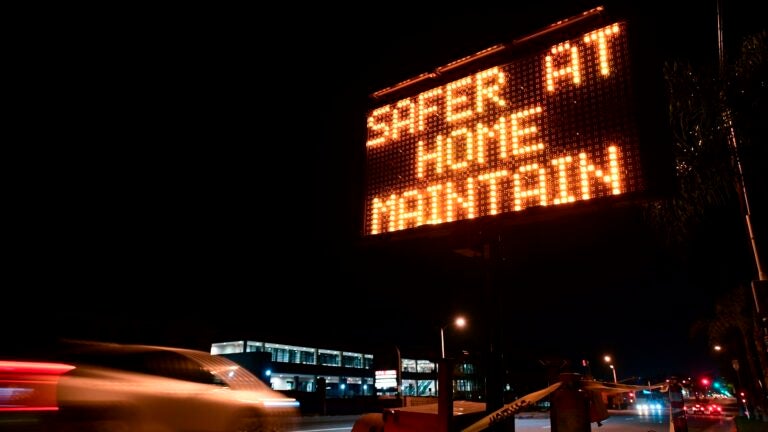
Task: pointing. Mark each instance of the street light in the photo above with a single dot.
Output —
(613, 369)
(459, 322)
(734, 364)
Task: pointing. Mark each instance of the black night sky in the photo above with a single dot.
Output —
(205, 178)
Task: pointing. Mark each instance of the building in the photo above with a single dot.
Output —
(339, 374)
(299, 368)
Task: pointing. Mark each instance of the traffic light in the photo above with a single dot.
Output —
(705, 382)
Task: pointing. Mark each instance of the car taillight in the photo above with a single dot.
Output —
(30, 386)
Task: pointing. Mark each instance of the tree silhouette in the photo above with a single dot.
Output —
(718, 121)
(735, 318)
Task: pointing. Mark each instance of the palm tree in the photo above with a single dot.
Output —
(735, 318)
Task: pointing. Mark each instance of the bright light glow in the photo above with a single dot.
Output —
(30, 386)
(281, 403)
(34, 367)
(459, 322)
(649, 408)
(552, 128)
(608, 360)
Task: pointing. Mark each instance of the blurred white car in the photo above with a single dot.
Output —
(162, 389)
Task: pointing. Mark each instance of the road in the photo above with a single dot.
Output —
(620, 422)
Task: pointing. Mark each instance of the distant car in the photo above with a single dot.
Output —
(648, 407)
(714, 409)
(116, 387)
(695, 408)
(704, 408)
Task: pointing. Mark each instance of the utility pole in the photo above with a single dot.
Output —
(759, 286)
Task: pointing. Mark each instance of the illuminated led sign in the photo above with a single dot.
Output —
(553, 127)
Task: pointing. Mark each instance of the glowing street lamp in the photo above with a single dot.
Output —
(613, 368)
(459, 322)
(734, 363)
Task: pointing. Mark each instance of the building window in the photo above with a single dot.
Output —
(409, 387)
(329, 358)
(352, 360)
(467, 368)
(425, 388)
(465, 385)
(425, 366)
(227, 348)
(279, 354)
(307, 357)
(251, 346)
